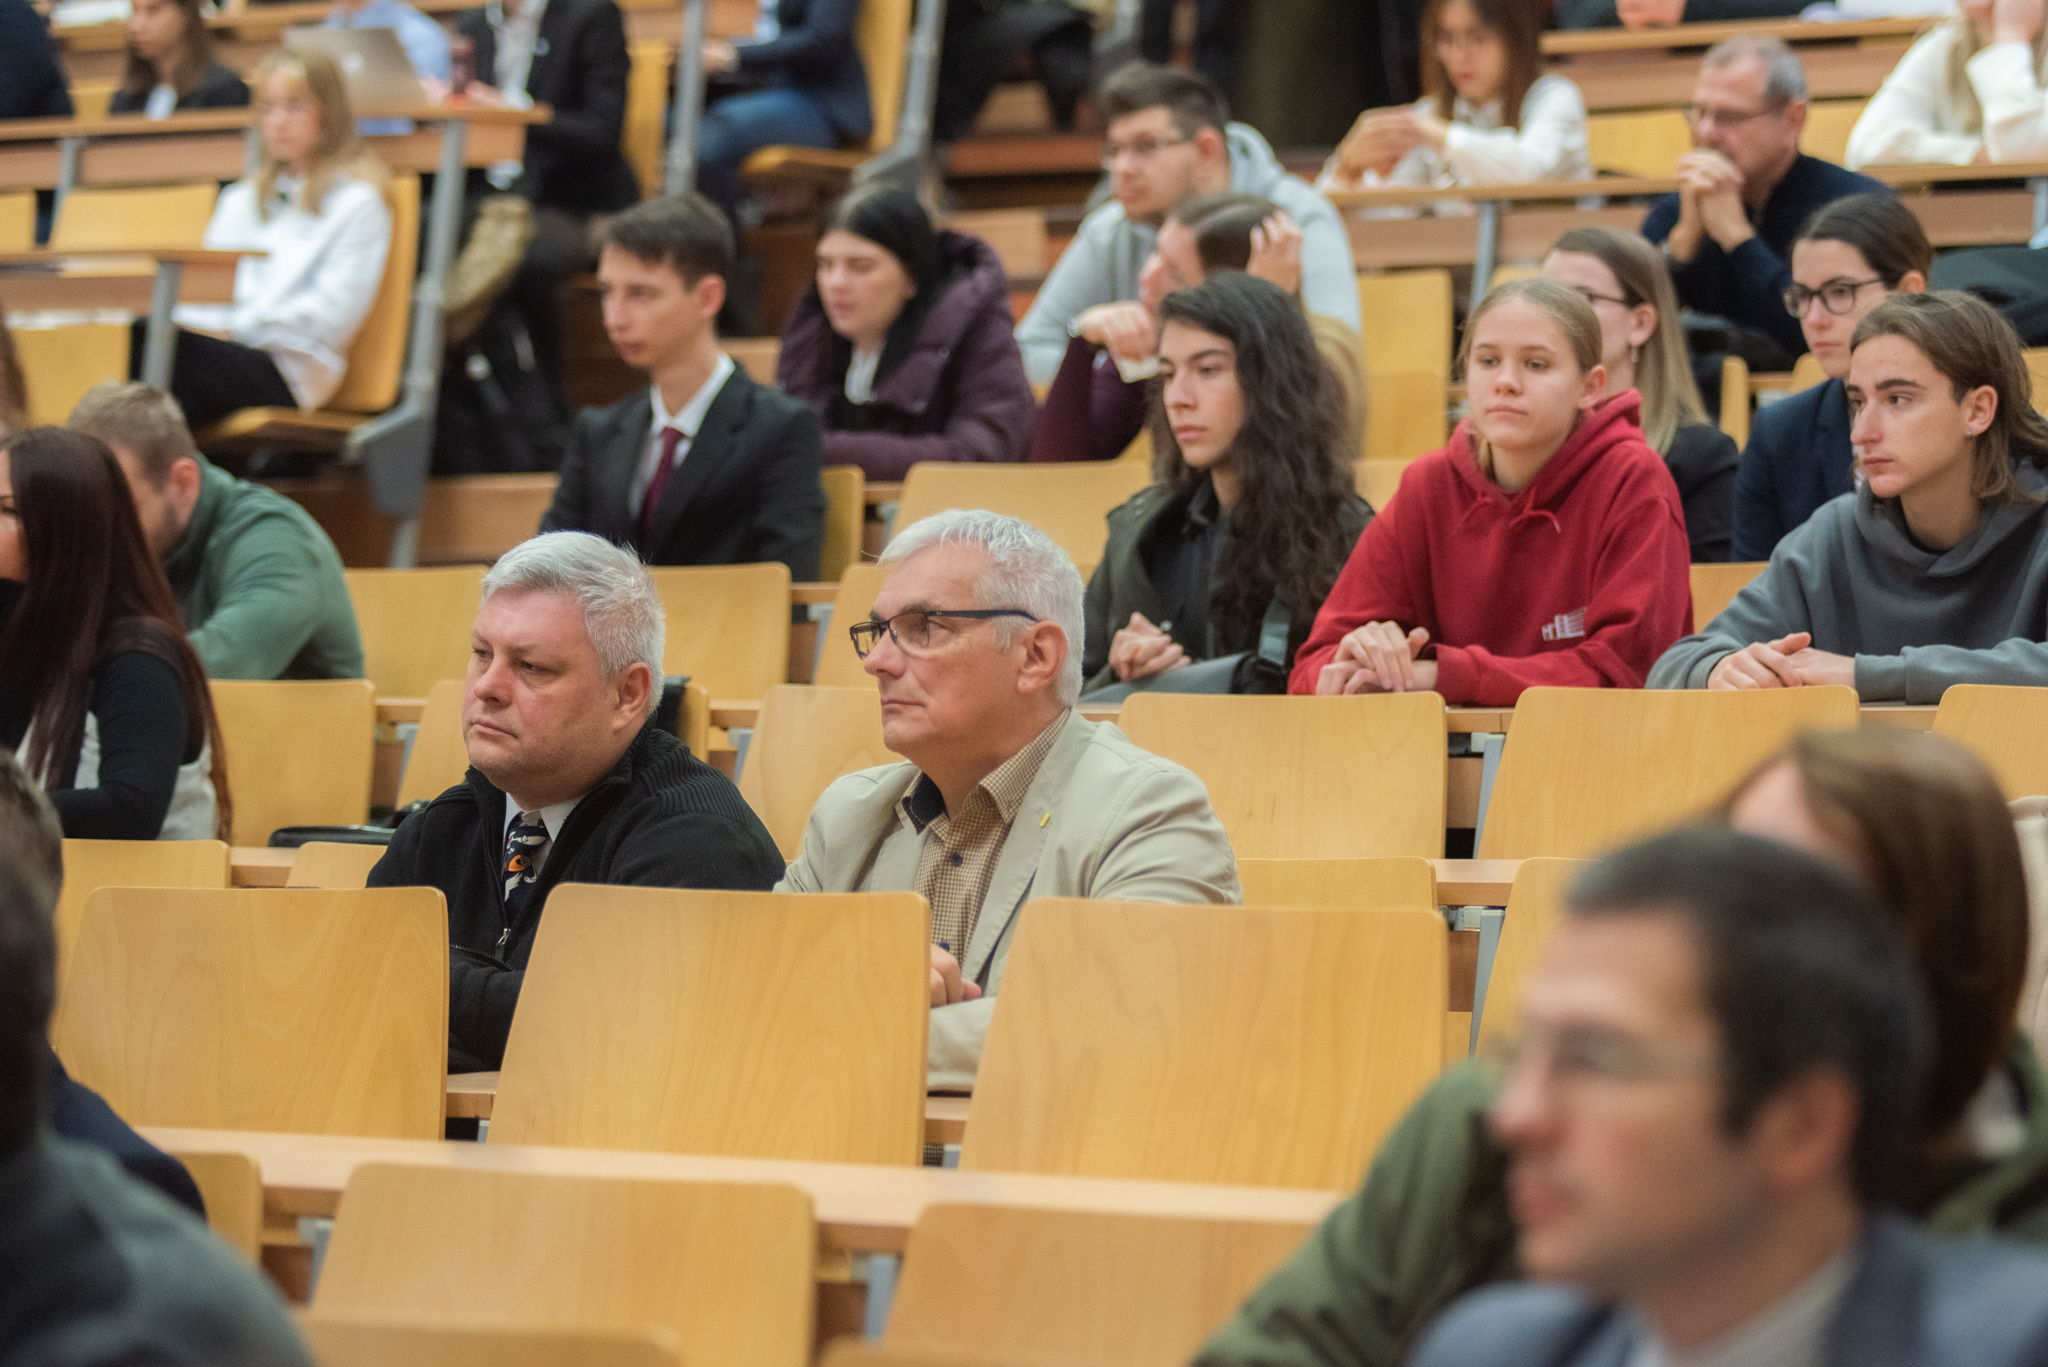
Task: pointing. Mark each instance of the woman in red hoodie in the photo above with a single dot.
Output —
(1544, 545)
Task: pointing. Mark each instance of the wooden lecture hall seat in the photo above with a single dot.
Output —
(2003, 726)
(1714, 587)
(333, 864)
(806, 738)
(727, 1267)
(845, 512)
(1067, 502)
(1284, 773)
(242, 1009)
(408, 1343)
(299, 752)
(98, 219)
(838, 666)
(415, 625)
(1393, 881)
(60, 363)
(90, 865)
(1585, 769)
(231, 1188)
(1259, 1046)
(1534, 905)
(882, 32)
(728, 626)
(438, 758)
(642, 1025)
(18, 221)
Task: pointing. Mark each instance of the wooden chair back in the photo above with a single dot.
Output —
(1069, 503)
(642, 1025)
(439, 758)
(59, 364)
(1806, 373)
(1714, 587)
(845, 511)
(838, 666)
(1405, 417)
(1394, 881)
(640, 134)
(1735, 402)
(378, 1343)
(92, 99)
(307, 1012)
(1379, 480)
(758, 356)
(2037, 374)
(1137, 1289)
(806, 739)
(415, 625)
(1828, 125)
(2000, 725)
(727, 1267)
(857, 1352)
(1421, 344)
(18, 221)
(333, 864)
(728, 626)
(232, 1188)
(1589, 768)
(1262, 1046)
(1646, 144)
(376, 358)
(1018, 237)
(90, 865)
(883, 33)
(97, 219)
(1285, 774)
(298, 752)
(1535, 904)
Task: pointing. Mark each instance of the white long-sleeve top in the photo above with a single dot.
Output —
(306, 298)
(1549, 144)
(1918, 116)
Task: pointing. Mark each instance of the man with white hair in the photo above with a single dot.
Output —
(570, 780)
(1008, 793)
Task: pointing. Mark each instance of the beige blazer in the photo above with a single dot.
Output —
(1102, 819)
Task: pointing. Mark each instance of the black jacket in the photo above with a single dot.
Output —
(31, 81)
(748, 489)
(662, 818)
(1606, 14)
(815, 53)
(83, 1116)
(1798, 458)
(220, 88)
(1702, 460)
(573, 161)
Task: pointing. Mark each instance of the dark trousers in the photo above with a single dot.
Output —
(1216, 38)
(211, 378)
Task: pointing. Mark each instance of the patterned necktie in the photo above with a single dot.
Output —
(526, 845)
(671, 437)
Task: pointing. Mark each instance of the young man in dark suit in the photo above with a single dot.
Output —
(705, 467)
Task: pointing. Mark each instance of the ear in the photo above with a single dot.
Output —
(1210, 146)
(629, 701)
(1642, 324)
(1590, 387)
(1795, 117)
(1044, 654)
(182, 480)
(709, 293)
(1912, 282)
(1805, 1134)
(1979, 407)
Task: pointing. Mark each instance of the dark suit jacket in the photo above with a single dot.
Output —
(815, 53)
(748, 489)
(31, 82)
(1915, 1301)
(573, 162)
(220, 88)
(1798, 458)
(78, 1113)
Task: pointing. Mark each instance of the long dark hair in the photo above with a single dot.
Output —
(1880, 227)
(93, 590)
(195, 55)
(1294, 472)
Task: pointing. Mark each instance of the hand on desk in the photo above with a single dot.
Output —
(947, 987)
(1378, 658)
(1788, 662)
(1377, 142)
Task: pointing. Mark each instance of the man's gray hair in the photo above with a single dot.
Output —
(1784, 77)
(1025, 570)
(621, 610)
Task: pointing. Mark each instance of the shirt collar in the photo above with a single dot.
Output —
(530, 13)
(554, 817)
(1790, 1333)
(1005, 785)
(690, 416)
(1202, 506)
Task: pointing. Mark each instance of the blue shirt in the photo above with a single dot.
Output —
(425, 43)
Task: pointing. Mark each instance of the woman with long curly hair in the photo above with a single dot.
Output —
(1252, 512)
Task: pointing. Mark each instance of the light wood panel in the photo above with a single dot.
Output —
(1017, 235)
(1398, 881)
(1405, 416)
(1411, 329)
(59, 364)
(375, 1343)
(774, 1026)
(1379, 480)
(1207, 1044)
(1806, 373)
(641, 131)
(805, 740)
(17, 221)
(1118, 1288)
(439, 757)
(333, 864)
(758, 356)
(91, 220)
(415, 625)
(90, 865)
(726, 1267)
(298, 752)
(1588, 768)
(1828, 125)
(1308, 778)
(1068, 502)
(1735, 411)
(2003, 726)
(838, 666)
(728, 625)
(1645, 143)
(303, 1011)
(846, 511)
(1714, 587)
(232, 1189)
(1534, 908)
(376, 355)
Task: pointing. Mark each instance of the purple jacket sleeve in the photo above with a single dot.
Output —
(1089, 413)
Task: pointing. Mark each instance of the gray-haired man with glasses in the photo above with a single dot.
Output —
(1008, 793)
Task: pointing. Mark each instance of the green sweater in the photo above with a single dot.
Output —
(260, 586)
(1432, 1222)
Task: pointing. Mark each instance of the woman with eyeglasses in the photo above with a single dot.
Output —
(1489, 115)
(1642, 347)
(1849, 258)
(1970, 91)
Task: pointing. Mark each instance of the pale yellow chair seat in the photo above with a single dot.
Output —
(728, 626)
(98, 219)
(1535, 905)
(1070, 502)
(90, 865)
(846, 510)
(2002, 726)
(1714, 587)
(805, 740)
(356, 1342)
(59, 364)
(1393, 881)
(333, 864)
(882, 32)
(18, 221)
(231, 1187)
(838, 666)
(1405, 416)
(415, 625)
(299, 752)
(1646, 144)
(439, 758)
(1411, 331)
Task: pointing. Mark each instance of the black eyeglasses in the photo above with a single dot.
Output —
(1837, 296)
(912, 630)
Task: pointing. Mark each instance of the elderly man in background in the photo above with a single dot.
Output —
(570, 780)
(1008, 793)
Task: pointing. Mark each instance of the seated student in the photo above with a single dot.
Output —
(1935, 571)
(1093, 413)
(1644, 14)
(1642, 348)
(1704, 1116)
(1850, 257)
(101, 696)
(258, 583)
(1170, 137)
(32, 84)
(1006, 790)
(1924, 823)
(100, 1268)
(315, 209)
(1489, 114)
(171, 67)
(749, 489)
(1546, 488)
(1744, 190)
(570, 779)
(1968, 91)
(1253, 514)
(903, 344)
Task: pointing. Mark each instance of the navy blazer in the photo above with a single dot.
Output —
(573, 161)
(748, 488)
(1798, 458)
(815, 53)
(1915, 1301)
(31, 80)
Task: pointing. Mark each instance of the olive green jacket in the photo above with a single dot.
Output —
(1431, 1222)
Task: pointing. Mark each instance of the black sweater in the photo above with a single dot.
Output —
(1702, 459)
(661, 818)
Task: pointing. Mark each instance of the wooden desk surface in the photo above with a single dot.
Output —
(220, 120)
(471, 1096)
(859, 1209)
(1573, 42)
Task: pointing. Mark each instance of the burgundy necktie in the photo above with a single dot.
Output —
(671, 437)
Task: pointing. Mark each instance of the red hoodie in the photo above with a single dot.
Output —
(1581, 580)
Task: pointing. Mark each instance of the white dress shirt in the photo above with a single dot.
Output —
(554, 818)
(860, 375)
(1919, 116)
(1548, 144)
(686, 420)
(518, 42)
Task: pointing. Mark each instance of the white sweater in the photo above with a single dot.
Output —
(1550, 144)
(1916, 116)
(304, 301)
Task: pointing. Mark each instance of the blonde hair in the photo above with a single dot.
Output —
(338, 154)
(1567, 308)
(1671, 397)
(1957, 91)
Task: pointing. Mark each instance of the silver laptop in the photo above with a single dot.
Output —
(379, 76)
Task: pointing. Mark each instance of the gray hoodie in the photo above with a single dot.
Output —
(1101, 265)
(1916, 620)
